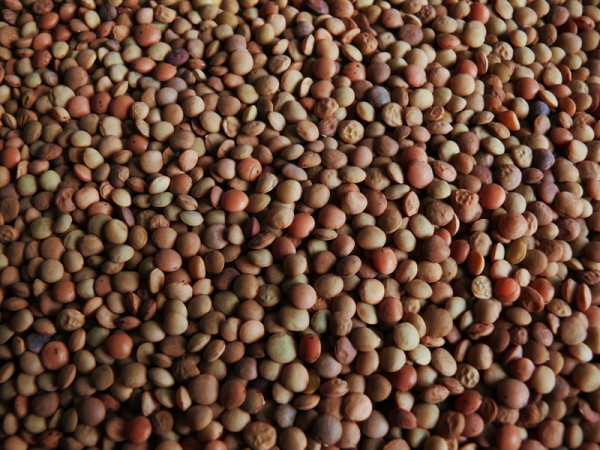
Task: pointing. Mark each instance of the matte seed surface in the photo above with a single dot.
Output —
(299, 224)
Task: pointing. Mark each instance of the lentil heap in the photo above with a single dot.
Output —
(290, 224)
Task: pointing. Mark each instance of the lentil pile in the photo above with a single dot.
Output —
(290, 224)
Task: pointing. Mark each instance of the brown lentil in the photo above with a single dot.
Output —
(299, 224)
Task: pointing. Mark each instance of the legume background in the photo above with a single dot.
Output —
(299, 224)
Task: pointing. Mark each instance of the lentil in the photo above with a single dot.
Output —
(330, 223)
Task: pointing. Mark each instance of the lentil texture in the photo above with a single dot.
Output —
(299, 224)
